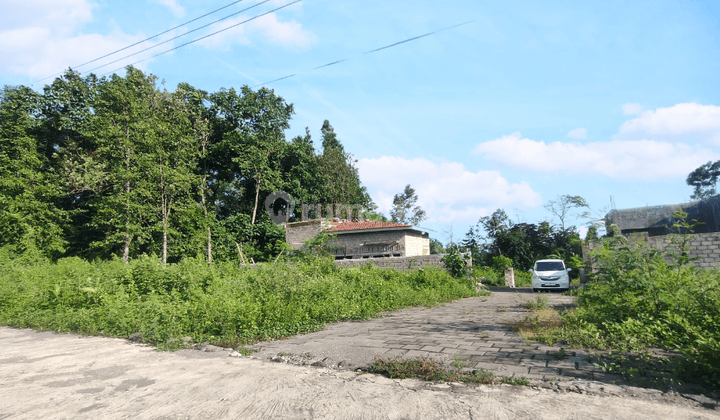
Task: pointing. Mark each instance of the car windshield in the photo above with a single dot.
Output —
(549, 266)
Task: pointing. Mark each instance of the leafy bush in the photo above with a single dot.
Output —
(455, 262)
(491, 276)
(639, 300)
(221, 303)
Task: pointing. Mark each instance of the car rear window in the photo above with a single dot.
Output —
(549, 266)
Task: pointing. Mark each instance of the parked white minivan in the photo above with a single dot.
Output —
(550, 275)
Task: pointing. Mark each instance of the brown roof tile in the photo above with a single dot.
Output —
(346, 226)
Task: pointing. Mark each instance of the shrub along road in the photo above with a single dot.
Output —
(46, 375)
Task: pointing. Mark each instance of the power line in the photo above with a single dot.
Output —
(179, 36)
(147, 39)
(207, 36)
(375, 50)
(418, 37)
(286, 77)
(328, 64)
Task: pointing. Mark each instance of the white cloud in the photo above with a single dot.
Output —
(268, 28)
(631, 159)
(41, 37)
(632, 109)
(175, 9)
(682, 122)
(578, 133)
(447, 191)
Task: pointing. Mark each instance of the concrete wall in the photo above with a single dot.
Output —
(705, 246)
(416, 243)
(400, 263)
(297, 233)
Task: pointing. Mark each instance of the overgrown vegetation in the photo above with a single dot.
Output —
(428, 370)
(221, 303)
(643, 298)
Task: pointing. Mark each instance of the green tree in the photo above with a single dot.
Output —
(29, 187)
(253, 139)
(405, 208)
(329, 138)
(195, 105)
(563, 207)
(172, 149)
(704, 180)
(125, 129)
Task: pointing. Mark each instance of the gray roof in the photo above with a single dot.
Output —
(644, 217)
(707, 212)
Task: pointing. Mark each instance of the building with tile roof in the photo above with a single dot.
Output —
(364, 239)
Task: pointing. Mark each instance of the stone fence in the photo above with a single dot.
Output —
(703, 246)
(399, 263)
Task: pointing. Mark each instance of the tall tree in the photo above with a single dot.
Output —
(564, 206)
(195, 103)
(172, 149)
(341, 178)
(253, 139)
(704, 180)
(124, 128)
(329, 138)
(405, 208)
(29, 188)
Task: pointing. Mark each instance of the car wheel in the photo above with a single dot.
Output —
(535, 290)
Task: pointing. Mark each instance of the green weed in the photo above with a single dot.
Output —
(222, 304)
(427, 370)
(518, 381)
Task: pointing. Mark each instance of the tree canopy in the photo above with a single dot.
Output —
(405, 208)
(120, 167)
(704, 180)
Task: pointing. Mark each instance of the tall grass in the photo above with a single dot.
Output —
(222, 303)
(639, 300)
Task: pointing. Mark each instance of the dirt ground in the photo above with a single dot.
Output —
(64, 376)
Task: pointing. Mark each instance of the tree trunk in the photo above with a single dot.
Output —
(257, 195)
(165, 211)
(126, 248)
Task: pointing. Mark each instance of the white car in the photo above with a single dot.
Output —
(550, 275)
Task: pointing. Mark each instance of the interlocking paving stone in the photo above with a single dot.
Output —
(476, 330)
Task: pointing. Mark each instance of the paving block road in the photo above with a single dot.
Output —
(476, 330)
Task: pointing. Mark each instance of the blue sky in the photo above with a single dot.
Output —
(529, 101)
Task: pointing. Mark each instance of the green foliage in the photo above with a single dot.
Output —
(216, 303)
(436, 247)
(427, 370)
(500, 263)
(541, 302)
(522, 243)
(121, 167)
(639, 300)
(405, 209)
(491, 276)
(456, 262)
(704, 180)
(517, 381)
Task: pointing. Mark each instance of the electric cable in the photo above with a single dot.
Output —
(372, 51)
(179, 36)
(147, 39)
(207, 36)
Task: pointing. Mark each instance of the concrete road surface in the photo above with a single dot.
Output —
(65, 376)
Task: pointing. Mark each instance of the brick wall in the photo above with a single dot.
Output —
(705, 246)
